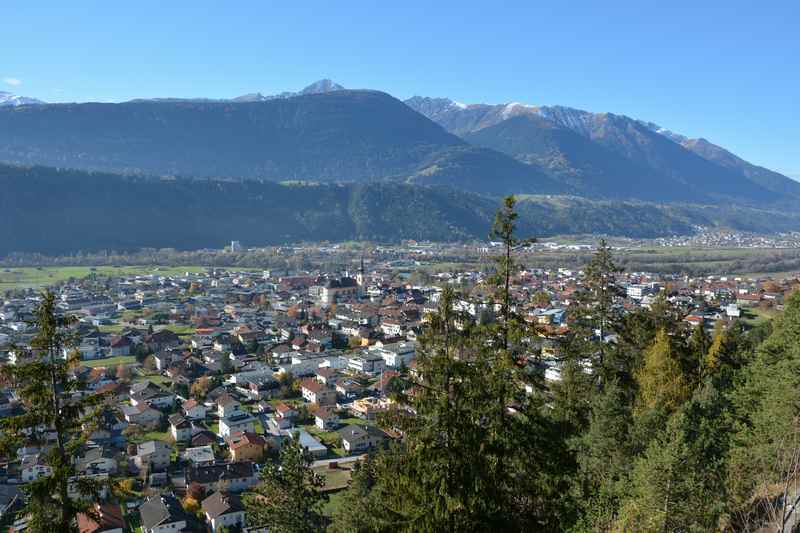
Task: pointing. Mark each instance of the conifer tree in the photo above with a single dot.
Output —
(597, 314)
(53, 405)
(288, 499)
(711, 362)
(661, 380)
(699, 344)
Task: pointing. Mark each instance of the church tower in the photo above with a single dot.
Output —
(361, 278)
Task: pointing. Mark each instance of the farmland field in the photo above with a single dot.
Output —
(35, 277)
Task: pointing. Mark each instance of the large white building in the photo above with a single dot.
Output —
(396, 354)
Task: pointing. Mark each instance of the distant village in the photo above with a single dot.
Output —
(209, 373)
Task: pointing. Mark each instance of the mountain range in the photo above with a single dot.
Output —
(585, 163)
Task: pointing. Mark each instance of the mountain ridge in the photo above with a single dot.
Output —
(52, 211)
(643, 144)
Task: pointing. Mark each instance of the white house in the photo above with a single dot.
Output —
(223, 510)
(242, 421)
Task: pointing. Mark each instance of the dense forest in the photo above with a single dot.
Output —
(88, 211)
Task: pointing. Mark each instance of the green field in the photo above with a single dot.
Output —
(34, 277)
(111, 361)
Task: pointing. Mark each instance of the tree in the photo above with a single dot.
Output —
(53, 404)
(661, 380)
(596, 313)
(191, 505)
(766, 441)
(200, 388)
(663, 488)
(288, 499)
(711, 362)
(478, 455)
(604, 454)
(359, 511)
(123, 373)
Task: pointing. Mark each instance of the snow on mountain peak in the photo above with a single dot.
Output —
(13, 100)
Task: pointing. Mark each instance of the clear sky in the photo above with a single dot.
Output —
(728, 70)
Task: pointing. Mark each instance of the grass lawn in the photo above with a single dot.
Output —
(357, 421)
(181, 329)
(330, 439)
(111, 361)
(335, 478)
(32, 277)
(756, 315)
(158, 379)
(154, 435)
(111, 328)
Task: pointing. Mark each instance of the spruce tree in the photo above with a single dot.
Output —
(597, 314)
(288, 499)
(57, 416)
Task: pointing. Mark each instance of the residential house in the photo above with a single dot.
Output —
(227, 405)
(241, 421)
(361, 438)
(32, 467)
(193, 410)
(247, 447)
(107, 518)
(180, 428)
(162, 514)
(141, 414)
(223, 509)
(120, 346)
(315, 392)
(96, 460)
(234, 477)
(162, 340)
(153, 454)
(199, 455)
(151, 394)
(325, 418)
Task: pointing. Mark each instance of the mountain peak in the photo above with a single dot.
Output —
(13, 100)
(318, 87)
(322, 86)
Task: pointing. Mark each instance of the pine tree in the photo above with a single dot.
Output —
(288, 499)
(54, 404)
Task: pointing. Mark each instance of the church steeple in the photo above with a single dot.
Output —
(360, 278)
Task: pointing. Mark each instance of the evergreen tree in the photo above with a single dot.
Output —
(712, 358)
(765, 454)
(361, 507)
(699, 344)
(288, 499)
(605, 453)
(663, 488)
(54, 405)
(597, 315)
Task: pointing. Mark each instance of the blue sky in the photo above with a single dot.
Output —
(728, 71)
